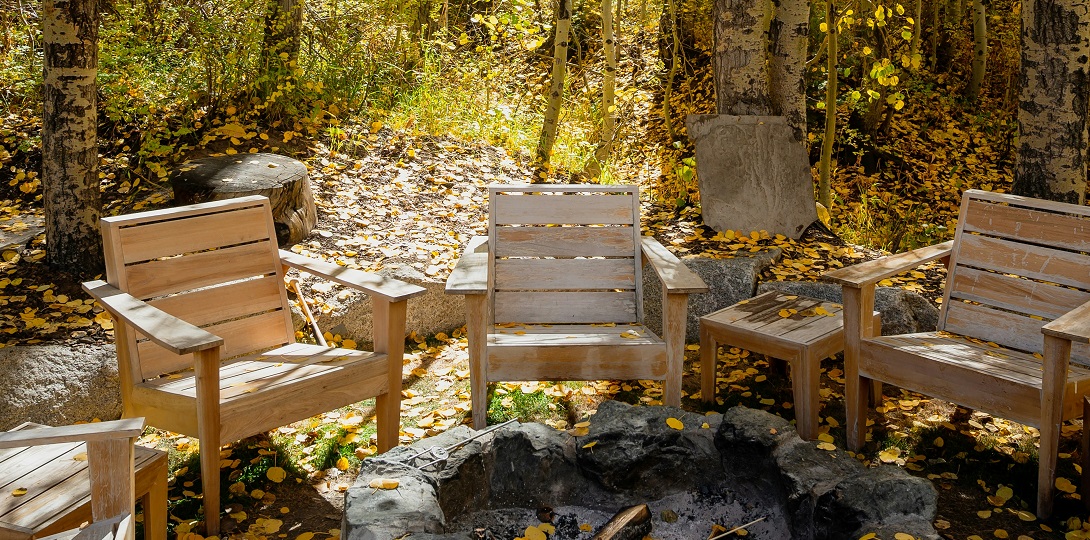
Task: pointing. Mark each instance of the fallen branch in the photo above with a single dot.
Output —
(736, 529)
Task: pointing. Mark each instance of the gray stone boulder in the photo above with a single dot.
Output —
(828, 493)
(534, 465)
(903, 312)
(660, 460)
(427, 314)
(381, 514)
(729, 281)
(58, 384)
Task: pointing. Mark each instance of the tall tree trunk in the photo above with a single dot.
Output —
(790, 31)
(609, 80)
(917, 30)
(556, 91)
(675, 60)
(825, 163)
(936, 33)
(280, 48)
(73, 204)
(741, 72)
(980, 50)
(1052, 114)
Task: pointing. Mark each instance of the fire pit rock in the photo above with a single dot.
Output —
(720, 469)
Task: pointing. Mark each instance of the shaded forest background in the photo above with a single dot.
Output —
(183, 78)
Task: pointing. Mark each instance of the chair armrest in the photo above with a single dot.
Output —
(96, 431)
(390, 289)
(870, 272)
(159, 326)
(674, 275)
(1073, 325)
(470, 274)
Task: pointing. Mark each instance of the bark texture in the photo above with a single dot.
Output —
(556, 89)
(71, 197)
(1052, 113)
(740, 62)
(789, 32)
(980, 50)
(825, 163)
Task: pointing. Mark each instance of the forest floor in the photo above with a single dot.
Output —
(394, 197)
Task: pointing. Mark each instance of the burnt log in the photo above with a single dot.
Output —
(282, 179)
(632, 523)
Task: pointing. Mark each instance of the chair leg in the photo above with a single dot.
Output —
(674, 321)
(805, 383)
(1057, 356)
(389, 328)
(856, 301)
(155, 506)
(208, 432)
(477, 335)
(709, 350)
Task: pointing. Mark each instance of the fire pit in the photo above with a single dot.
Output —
(725, 470)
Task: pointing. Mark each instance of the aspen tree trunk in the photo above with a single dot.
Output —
(609, 80)
(980, 50)
(71, 197)
(556, 91)
(280, 48)
(825, 165)
(936, 33)
(1052, 113)
(917, 30)
(675, 60)
(789, 34)
(741, 69)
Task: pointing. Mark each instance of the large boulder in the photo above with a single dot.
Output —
(729, 281)
(58, 384)
(903, 312)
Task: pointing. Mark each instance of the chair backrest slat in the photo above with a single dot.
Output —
(565, 254)
(214, 265)
(1018, 263)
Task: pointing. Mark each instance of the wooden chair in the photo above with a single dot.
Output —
(61, 496)
(1013, 330)
(110, 463)
(555, 292)
(205, 342)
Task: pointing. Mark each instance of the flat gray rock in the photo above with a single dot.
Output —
(729, 281)
(58, 384)
(753, 174)
(382, 514)
(903, 312)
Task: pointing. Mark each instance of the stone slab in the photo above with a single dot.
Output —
(58, 384)
(753, 174)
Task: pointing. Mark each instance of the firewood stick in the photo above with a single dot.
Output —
(629, 524)
(294, 284)
(736, 529)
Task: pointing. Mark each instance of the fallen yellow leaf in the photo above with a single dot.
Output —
(342, 464)
(276, 474)
(384, 483)
(675, 423)
(18, 492)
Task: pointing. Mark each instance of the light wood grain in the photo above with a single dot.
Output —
(390, 289)
(169, 276)
(565, 274)
(527, 209)
(1073, 326)
(565, 241)
(151, 240)
(470, 274)
(1031, 261)
(1031, 225)
(873, 271)
(169, 332)
(96, 431)
(565, 307)
(1020, 295)
(675, 276)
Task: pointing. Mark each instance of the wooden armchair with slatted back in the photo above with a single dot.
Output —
(109, 449)
(555, 291)
(1013, 332)
(205, 342)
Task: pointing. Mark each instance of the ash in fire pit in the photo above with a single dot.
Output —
(724, 470)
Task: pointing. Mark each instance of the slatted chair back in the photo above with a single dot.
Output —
(216, 267)
(1017, 264)
(565, 254)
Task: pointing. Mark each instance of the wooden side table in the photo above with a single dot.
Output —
(800, 330)
(58, 493)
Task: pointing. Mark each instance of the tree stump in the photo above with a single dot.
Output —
(282, 179)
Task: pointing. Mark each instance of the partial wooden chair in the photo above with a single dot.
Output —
(204, 336)
(555, 292)
(1013, 330)
(109, 467)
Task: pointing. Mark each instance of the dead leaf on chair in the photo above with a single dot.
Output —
(18, 492)
(630, 334)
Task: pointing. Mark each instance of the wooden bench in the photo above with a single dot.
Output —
(1015, 322)
(555, 292)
